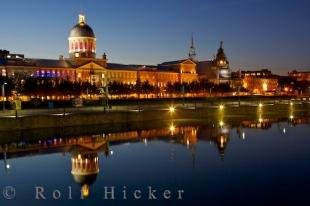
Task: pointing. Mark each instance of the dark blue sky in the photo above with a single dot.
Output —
(257, 34)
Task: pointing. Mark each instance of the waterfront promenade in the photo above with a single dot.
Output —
(219, 110)
(151, 106)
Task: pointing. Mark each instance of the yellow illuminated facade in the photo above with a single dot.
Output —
(84, 66)
(259, 82)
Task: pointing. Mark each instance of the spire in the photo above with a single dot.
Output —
(82, 19)
(192, 41)
(220, 52)
(192, 50)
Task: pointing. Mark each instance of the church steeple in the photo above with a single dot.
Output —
(221, 58)
(192, 50)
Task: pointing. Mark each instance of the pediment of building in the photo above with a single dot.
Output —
(91, 65)
(188, 61)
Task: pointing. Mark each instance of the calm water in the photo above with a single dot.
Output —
(265, 163)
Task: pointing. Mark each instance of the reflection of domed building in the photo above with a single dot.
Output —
(82, 41)
(217, 135)
(85, 168)
(221, 142)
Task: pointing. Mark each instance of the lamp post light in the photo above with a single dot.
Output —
(3, 95)
(171, 109)
(107, 95)
(7, 166)
(238, 95)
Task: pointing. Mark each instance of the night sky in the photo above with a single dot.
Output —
(257, 34)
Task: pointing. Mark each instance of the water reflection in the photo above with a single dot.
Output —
(85, 160)
(185, 135)
(84, 150)
(85, 168)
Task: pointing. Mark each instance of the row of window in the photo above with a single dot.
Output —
(53, 73)
(82, 45)
(122, 74)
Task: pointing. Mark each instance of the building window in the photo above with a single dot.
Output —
(81, 45)
(90, 46)
(3, 72)
(85, 45)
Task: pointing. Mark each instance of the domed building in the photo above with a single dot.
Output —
(82, 40)
(83, 65)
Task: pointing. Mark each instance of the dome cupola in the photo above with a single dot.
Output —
(82, 40)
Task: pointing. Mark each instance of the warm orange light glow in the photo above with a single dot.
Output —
(221, 123)
(85, 191)
(171, 109)
(172, 128)
(265, 86)
(222, 142)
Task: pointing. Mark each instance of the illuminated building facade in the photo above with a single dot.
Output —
(83, 65)
(216, 70)
(259, 82)
(300, 76)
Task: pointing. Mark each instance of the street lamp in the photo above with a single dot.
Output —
(3, 95)
(171, 109)
(172, 128)
(221, 123)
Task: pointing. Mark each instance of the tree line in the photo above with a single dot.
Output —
(43, 86)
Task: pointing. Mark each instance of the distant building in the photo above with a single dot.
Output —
(260, 81)
(300, 76)
(216, 70)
